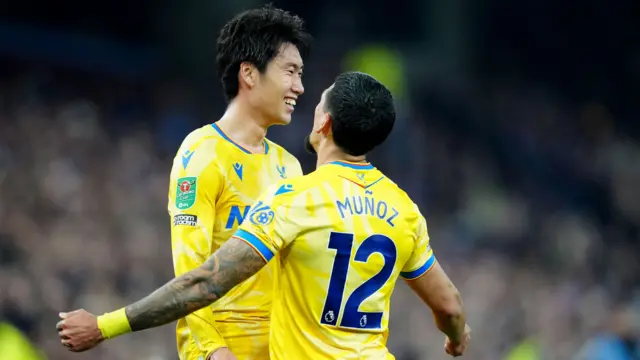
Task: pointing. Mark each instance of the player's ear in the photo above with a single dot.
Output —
(248, 74)
(325, 125)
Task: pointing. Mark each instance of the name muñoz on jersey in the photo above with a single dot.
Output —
(340, 236)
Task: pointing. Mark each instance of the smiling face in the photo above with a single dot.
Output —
(279, 86)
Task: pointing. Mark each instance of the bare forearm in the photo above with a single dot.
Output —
(233, 263)
(451, 325)
(438, 292)
(452, 322)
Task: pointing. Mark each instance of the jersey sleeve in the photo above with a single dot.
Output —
(192, 198)
(422, 258)
(269, 227)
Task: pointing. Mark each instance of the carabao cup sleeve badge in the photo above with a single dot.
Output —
(186, 188)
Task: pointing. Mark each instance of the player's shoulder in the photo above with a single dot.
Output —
(202, 137)
(199, 149)
(401, 196)
(282, 153)
(410, 214)
(403, 201)
(277, 148)
(288, 164)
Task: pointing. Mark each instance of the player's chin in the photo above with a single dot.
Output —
(307, 145)
(283, 119)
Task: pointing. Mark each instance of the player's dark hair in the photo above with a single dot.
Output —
(362, 112)
(256, 36)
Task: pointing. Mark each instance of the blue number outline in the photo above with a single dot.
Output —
(342, 243)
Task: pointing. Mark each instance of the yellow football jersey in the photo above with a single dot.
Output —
(344, 234)
(213, 183)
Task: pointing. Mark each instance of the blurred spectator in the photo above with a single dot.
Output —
(618, 341)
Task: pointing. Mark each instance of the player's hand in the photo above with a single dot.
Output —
(458, 349)
(78, 330)
(222, 354)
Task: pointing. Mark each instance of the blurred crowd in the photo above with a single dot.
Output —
(532, 204)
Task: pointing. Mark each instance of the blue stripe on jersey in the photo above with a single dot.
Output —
(217, 128)
(256, 243)
(411, 275)
(357, 166)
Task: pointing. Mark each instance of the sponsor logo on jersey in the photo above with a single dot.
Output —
(185, 219)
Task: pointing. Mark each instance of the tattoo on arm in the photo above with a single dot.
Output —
(233, 263)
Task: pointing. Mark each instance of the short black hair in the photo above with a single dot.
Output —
(362, 112)
(256, 36)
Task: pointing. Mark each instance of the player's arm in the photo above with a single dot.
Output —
(230, 265)
(234, 262)
(438, 292)
(192, 220)
(427, 279)
(238, 259)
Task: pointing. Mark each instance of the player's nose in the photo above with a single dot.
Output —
(297, 87)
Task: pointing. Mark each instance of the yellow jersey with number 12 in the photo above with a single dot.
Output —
(344, 234)
(214, 181)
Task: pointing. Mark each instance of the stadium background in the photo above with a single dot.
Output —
(517, 136)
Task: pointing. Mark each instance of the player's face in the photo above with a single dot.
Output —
(280, 85)
(312, 141)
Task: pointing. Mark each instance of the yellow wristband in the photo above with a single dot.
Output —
(114, 324)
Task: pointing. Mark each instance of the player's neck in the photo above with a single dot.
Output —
(333, 153)
(243, 126)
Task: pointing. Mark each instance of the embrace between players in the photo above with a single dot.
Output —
(271, 264)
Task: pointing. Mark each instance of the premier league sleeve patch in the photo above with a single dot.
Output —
(186, 188)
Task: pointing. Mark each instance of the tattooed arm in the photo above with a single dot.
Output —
(233, 263)
(254, 244)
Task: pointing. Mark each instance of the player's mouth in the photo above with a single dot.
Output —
(291, 104)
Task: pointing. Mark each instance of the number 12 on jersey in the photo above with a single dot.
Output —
(342, 243)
